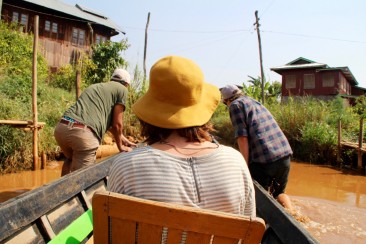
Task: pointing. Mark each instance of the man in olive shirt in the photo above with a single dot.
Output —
(82, 127)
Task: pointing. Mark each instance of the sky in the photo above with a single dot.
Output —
(221, 38)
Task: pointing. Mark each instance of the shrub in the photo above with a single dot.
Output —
(319, 143)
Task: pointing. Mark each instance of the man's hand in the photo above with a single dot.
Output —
(126, 142)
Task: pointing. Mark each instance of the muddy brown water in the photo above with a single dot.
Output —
(330, 204)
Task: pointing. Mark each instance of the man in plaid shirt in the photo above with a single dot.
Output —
(261, 141)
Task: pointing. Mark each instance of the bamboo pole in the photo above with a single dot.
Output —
(360, 140)
(34, 95)
(77, 83)
(339, 142)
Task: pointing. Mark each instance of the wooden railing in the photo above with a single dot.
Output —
(353, 145)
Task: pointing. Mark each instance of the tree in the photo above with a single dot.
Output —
(106, 57)
(360, 107)
(271, 91)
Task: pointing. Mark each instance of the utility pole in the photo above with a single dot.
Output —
(260, 53)
(147, 26)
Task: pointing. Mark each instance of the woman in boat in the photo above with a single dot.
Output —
(181, 162)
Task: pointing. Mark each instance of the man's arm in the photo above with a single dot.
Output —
(244, 147)
(117, 128)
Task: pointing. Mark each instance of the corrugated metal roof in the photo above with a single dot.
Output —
(301, 59)
(77, 11)
(299, 66)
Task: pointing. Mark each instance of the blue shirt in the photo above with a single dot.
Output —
(267, 142)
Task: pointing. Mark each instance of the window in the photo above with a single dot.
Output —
(24, 19)
(100, 39)
(15, 17)
(78, 37)
(51, 29)
(47, 25)
(290, 81)
(20, 18)
(309, 81)
(54, 28)
(328, 80)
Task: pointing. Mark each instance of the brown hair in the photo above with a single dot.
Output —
(192, 134)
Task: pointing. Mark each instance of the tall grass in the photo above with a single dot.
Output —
(309, 124)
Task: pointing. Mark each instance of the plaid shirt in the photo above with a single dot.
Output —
(267, 143)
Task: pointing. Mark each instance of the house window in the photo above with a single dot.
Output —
(309, 81)
(100, 39)
(15, 17)
(24, 19)
(54, 27)
(328, 80)
(47, 25)
(51, 29)
(78, 37)
(20, 18)
(51, 26)
(290, 81)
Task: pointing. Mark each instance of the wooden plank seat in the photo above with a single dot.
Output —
(119, 218)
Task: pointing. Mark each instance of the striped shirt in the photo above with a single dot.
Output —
(267, 143)
(219, 181)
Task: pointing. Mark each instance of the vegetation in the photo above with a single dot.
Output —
(309, 124)
(55, 93)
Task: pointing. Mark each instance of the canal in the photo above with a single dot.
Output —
(329, 203)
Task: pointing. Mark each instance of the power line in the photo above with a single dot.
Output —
(315, 37)
(192, 31)
(246, 30)
(265, 10)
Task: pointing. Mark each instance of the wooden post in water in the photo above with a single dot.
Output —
(34, 95)
(360, 140)
(339, 151)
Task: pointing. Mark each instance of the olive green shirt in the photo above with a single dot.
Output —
(94, 107)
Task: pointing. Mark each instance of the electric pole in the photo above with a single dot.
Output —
(145, 48)
(260, 53)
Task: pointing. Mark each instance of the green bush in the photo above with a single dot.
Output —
(319, 143)
(64, 78)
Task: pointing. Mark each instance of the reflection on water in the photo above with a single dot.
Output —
(12, 185)
(327, 183)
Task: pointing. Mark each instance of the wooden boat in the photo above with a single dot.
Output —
(44, 214)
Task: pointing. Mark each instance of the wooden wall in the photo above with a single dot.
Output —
(57, 48)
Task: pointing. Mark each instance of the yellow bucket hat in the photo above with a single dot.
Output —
(178, 97)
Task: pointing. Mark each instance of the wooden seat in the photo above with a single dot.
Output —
(119, 218)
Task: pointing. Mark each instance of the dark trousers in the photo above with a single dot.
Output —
(272, 176)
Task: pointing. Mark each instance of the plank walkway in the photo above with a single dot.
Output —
(353, 145)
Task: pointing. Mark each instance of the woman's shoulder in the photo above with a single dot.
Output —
(229, 150)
